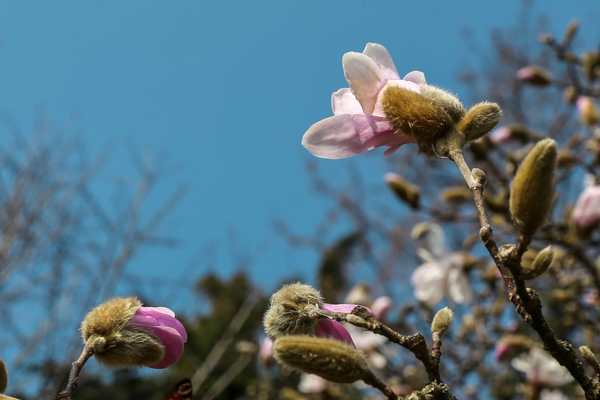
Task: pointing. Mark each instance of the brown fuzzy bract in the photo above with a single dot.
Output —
(286, 315)
(109, 317)
(131, 347)
(532, 190)
(415, 115)
(3, 376)
(480, 120)
(328, 358)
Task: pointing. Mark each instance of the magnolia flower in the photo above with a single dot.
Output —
(294, 311)
(586, 213)
(359, 123)
(534, 75)
(123, 333)
(442, 273)
(588, 112)
(541, 369)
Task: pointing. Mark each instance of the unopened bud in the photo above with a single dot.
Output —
(480, 120)
(532, 190)
(588, 112)
(535, 75)
(3, 376)
(566, 158)
(287, 314)
(545, 38)
(589, 357)
(590, 64)
(442, 321)
(479, 176)
(328, 358)
(570, 94)
(540, 264)
(570, 32)
(405, 190)
(457, 194)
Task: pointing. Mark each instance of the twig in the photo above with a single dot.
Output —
(234, 370)
(526, 301)
(87, 352)
(362, 318)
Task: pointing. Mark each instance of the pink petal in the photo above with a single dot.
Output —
(365, 79)
(381, 306)
(347, 135)
(156, 316)
(173, 343)
(587, 209)
(332, 329)
(417, 77)
(343, 308)
(382, 57)
(344, 102)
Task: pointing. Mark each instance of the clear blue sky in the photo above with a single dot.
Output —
(227, 89)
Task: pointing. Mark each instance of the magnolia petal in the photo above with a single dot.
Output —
(343, 308)
(416, 76)
(436, 240)
(344, 102)
(173, 343)
(332, 329)
(429, 281)
(347, 135)
(587, 209)
(365, 79)
(382, 57)
(157, 316)
(459, 289)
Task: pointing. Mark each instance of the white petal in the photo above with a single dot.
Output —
(365, 79)
(436, 240)
(415, 76)
(382, 57)
(429, 281)
(344, 102)
(459, 289)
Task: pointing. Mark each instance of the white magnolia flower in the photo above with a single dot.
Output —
(442, 273)
(310, 383)
(552, 395)
(541, 369)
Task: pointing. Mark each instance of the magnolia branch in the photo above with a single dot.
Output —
(88, 351)
(526, 301)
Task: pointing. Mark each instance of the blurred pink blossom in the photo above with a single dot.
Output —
(586, 213)
(381, 306)
(501, 135)
(265, 351)
(161, 322)
(442, 273)
(541, 369)
(359, 123)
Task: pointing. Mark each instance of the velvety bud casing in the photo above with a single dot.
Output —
(125, 334)
(532, 190)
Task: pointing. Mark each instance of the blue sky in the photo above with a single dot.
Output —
(226, 89)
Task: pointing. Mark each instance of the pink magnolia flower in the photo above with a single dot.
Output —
(501, 135)
(586, 213)
(161, 322)
(442, 273)
(541, 369)
(359, 123)
(588, 112)
(327, 328)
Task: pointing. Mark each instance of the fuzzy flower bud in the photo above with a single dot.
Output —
(589, 357)
(588, 112)
(125, 334)
(532, 190)
(442, 321)
(3, 376)
(540, 264)
(406, 191)
(535, 75)
(328, 358)
(456, 194)
(590, 64)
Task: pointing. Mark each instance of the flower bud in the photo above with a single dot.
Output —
(589, 357)
(480, 120)
(456, 194)
(3, 376)
(328, 358)
(532, 190)
(570, 32)
(125, 334)
(540, 264)
(590, 64)
(588, 112)
(570, 95)
(442, 321)
(405, 190)
(535, 75)
(479, 176)
(586, 213)
(287, 313)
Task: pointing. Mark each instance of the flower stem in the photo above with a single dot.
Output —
(87, 352)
